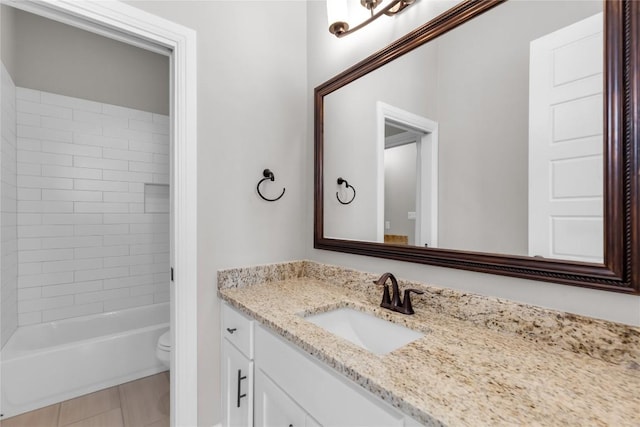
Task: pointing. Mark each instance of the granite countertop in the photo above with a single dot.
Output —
(482, 361)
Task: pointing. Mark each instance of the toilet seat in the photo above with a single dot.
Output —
(164, 342)
(163, 349)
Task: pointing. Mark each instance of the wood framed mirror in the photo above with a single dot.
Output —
(613, 266)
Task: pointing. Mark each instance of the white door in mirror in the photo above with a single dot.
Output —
(565, 143)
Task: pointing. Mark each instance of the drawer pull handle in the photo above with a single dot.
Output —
(240, 378)
(231, 330)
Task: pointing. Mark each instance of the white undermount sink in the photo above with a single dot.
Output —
(365, 330)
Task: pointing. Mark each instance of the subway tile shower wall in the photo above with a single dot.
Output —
(86, 242)
(8, 206)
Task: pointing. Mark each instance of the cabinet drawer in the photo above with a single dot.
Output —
(238, 330)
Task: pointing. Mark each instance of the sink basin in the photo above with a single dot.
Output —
(365, 330)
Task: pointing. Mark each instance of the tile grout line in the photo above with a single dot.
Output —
(121, 410)
(122, 405)
(59, 410)
(88, 416)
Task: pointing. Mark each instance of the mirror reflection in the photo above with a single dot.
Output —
(488, 138)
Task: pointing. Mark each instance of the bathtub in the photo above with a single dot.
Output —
(51, 362)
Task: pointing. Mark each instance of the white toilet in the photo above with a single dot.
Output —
(163, 349)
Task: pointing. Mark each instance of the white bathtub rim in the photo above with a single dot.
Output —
(123, 311)
(17, 354)
(9, 353)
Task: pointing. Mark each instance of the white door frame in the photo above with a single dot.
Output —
(427, 183)
(128, 24)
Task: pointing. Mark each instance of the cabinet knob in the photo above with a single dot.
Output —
(231, 330)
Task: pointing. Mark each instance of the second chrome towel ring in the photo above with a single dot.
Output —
(268, 175)
(344, 181)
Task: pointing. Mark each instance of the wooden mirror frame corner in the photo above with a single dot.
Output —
(620, 271)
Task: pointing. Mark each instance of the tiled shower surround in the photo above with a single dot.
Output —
(87, 241)
(8, 205)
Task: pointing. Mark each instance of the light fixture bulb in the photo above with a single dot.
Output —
(337, 15)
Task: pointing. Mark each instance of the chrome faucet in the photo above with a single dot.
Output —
(393, 302)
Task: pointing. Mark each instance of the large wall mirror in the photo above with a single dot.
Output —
(500, 137)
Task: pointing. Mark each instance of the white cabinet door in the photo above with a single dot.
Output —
(237, 387)
(274, 408)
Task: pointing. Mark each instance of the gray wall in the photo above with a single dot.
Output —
(400, 190)
(328, 56)
(7, 38)
(58, 58)
(252, 98)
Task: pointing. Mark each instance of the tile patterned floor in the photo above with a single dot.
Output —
(140, 403)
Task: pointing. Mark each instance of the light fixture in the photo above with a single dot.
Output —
(337, 13)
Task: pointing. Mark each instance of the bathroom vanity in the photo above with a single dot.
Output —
(481, 361)
(281, 385)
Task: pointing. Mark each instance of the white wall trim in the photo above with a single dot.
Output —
(131, 25)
